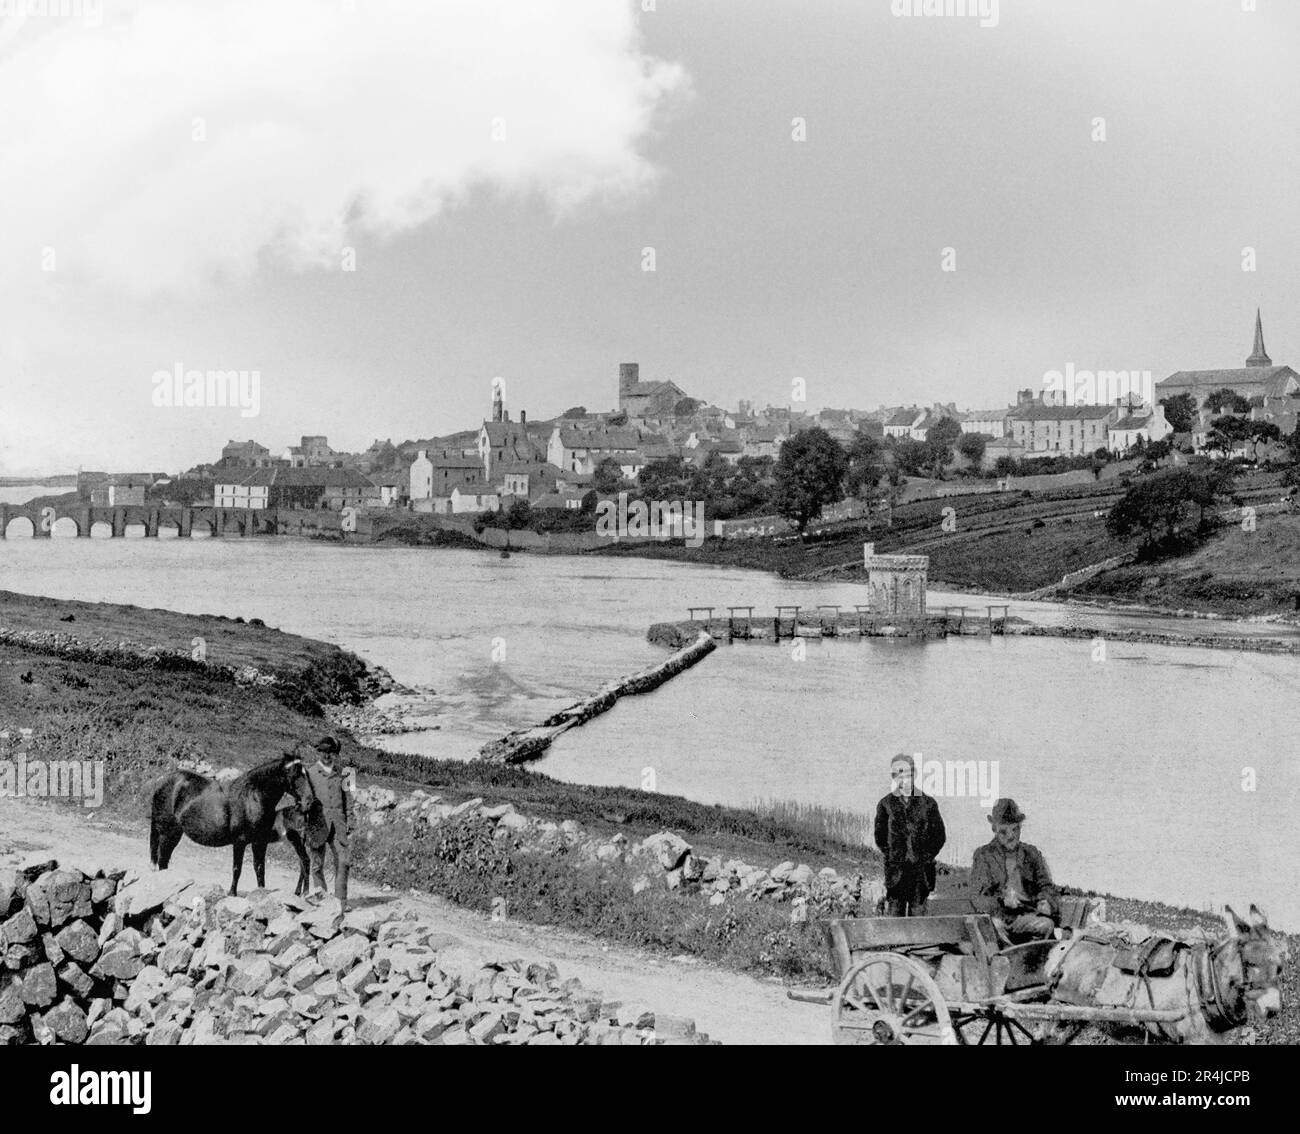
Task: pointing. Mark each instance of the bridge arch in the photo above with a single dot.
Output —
(65, 527)
(101, 529)
(20, 527)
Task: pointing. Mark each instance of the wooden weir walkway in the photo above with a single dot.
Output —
(831, 620)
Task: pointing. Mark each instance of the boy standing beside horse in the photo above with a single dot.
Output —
(331, 824)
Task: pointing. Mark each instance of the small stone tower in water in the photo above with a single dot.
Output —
(896, 582)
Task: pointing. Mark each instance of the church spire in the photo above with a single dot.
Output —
(1259, 357)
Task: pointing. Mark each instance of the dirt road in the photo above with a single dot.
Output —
(732, 1008)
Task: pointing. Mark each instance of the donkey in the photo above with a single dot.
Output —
(239, 814)
(1218, 985)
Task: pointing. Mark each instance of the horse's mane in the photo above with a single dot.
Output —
(258, 775)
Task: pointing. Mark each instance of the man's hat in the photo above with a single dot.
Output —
(327, 744)
(1006, 811)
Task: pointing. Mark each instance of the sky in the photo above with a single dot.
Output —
(379, 207)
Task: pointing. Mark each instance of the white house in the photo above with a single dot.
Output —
(907, 423)
(991, 423)
(421, 476)
(474, 498)
(1145, 423)
(230, 494)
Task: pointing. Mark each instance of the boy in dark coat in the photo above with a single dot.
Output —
(332, 826)
(910, 834)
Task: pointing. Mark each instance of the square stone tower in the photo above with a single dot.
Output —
(896, 583)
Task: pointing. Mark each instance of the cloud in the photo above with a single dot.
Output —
(168, 144)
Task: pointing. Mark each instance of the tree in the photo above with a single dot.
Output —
(1159, 501)
(1226, 432)
(519, 514)
(865, 465)
(589, 502)
(1226, 399)
(1180, 412)
(1164, 500)
(685, 407)
(574, 411)
(810, 473)
(912, 457)
(1293, 442)
(972, 446)
(1258, 431)
(939, 440)
(1154, 452)
(607, 476)
(1206, 485)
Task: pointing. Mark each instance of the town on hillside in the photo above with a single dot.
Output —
(660, 436)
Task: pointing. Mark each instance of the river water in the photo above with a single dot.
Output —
(1133, 762)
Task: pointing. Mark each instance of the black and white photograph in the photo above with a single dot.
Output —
(651, 523)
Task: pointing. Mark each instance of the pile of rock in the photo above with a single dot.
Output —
(663, 859)
(825, 890)
(159, 960)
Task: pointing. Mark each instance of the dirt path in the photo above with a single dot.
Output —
(729, 1007)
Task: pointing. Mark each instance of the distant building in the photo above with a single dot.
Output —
(118, 492)
(324, 488)
(999, 447)
(579, 450)
(991, 423)
(314, 451)
(896, 584)
(1145, 424)
(1060, 431)
(645, 399)
(1259, 377)
(476, 497)
(762, 441)
(437, 473)
(908, 424)
(507, 443)
(244, 455)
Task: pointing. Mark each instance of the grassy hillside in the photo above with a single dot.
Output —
(1234, 572)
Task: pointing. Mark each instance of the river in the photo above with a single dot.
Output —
(1155, 772)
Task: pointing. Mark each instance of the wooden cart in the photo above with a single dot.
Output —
(947, 979)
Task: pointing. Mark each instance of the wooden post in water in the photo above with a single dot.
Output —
(794, 621)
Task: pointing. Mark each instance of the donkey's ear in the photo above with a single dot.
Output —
(1257, 918)
(1233, 922)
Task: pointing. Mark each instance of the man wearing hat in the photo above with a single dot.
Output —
(1010, 880)
(333, 825)
(910, 834)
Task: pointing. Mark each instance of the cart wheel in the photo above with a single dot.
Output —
(992, 1027)
(890, 999)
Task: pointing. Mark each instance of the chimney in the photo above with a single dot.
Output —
(629, 373)
(523, 417)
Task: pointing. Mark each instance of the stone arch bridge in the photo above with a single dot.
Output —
(240, 522)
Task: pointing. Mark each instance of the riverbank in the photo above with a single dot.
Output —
(142, 721)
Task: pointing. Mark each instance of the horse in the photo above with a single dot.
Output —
(239, 814)
(1217, 985)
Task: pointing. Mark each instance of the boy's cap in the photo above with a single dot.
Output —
(327, 744)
